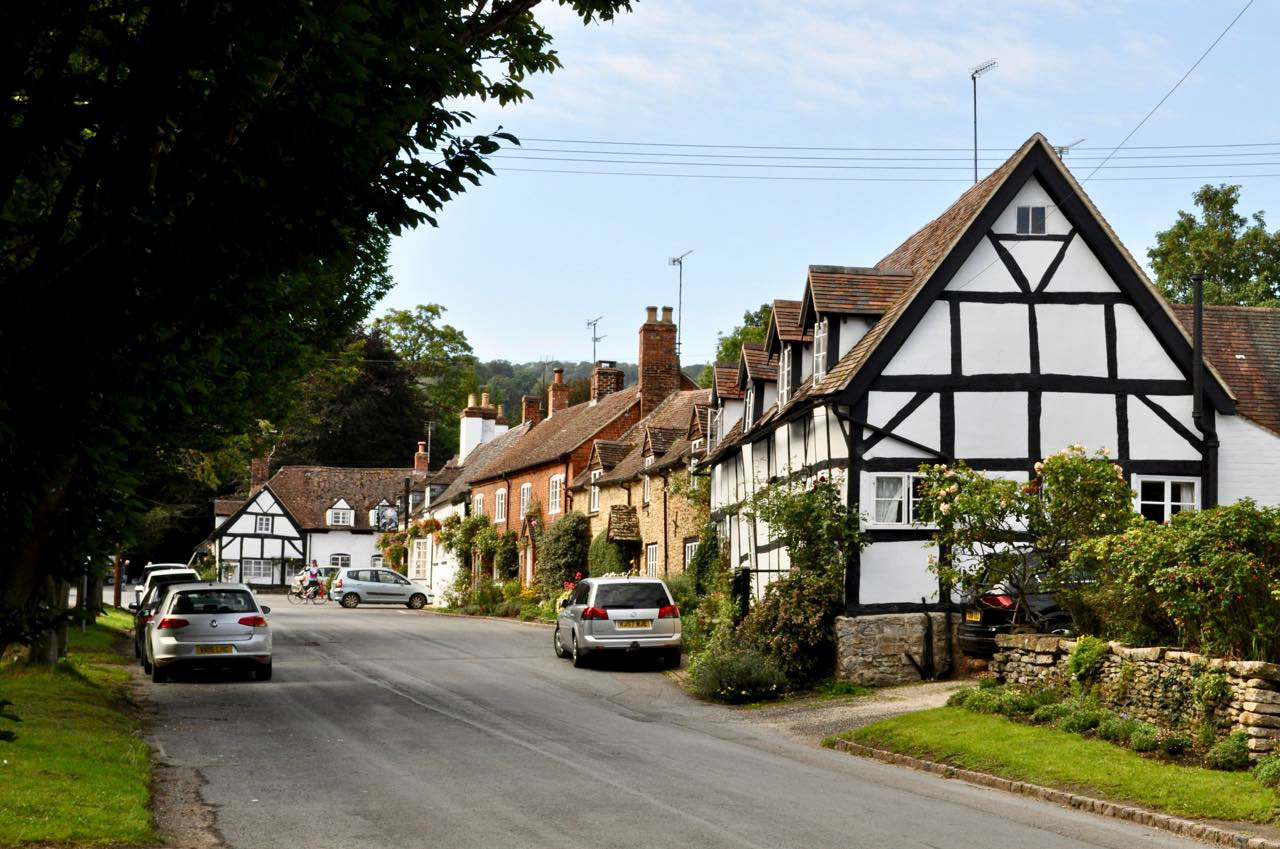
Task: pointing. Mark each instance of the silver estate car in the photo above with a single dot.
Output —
(210, 625)
(618, 614)
(353, 587)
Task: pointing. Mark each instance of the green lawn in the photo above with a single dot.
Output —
(76, 774)
(1053, 758)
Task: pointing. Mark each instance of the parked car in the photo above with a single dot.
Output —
(211, 625)
(353, 587)
(167, 572)
(618, 615)
(326, 572)
(994, 612)
(145, 609)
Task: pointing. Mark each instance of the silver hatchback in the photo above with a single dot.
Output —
(618, 615)
(209, 625)
(353, 587)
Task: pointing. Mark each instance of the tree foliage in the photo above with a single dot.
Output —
(186, 191)
(563, 551)
(755, 323)
(1239, 257)
(606, 557)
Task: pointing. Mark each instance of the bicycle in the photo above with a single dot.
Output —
(314, 594)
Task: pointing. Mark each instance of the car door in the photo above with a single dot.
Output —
(577, 604)
(397, 587)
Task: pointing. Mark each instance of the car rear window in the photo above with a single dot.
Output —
(187, 578)
(631, 596)
(215, 601)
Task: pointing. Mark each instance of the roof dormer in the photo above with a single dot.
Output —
(340, 514)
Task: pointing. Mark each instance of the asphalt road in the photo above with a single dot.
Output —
(387, 728)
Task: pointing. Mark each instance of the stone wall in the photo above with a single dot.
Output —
(1157, 685)
(873, 650)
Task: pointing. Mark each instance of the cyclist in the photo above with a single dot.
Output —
(312, 585)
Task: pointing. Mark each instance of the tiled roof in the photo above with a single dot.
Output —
(759, 365)
(1243, 344)
(665, 428)
(662, 438)
(856, 291)
(624, 525)
(727, 382)
(786, 322)
(477, 463)
(554, 437)
(609, 452)
(725, 444)
(226, 506)
(307, 492)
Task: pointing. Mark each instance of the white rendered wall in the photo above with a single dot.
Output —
(806, 362)
(983, 271)
(852, 329)
(897, 572)
(361, 547)
(991, 424)
(246, 524)
(1150, 438)
(1080, 271)
(470, 435)
(1073, 339)
(994, 339)
(1138, 352)
(928, 349)
(1248, 462)
(921, 426)
(1070, 417)
(1032, 194)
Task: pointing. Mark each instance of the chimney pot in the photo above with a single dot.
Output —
(666, 315)
(530, 409)
(651, 313)
(420, 460)
(484, 399)
(559, 375)
(471, 400)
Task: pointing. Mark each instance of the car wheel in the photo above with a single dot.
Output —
(558, 645)
(579, 657)
(671, 657)
(159, 674)
(350, 600)
(146, 665)
(417, 601)
(263, 672)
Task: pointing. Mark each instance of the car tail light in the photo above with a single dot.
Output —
(337, 585)
(254, 621)
(669, 612)
(172, 623)
(595, 613)
(1004, 601)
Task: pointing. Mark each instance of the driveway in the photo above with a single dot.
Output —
(387, 728)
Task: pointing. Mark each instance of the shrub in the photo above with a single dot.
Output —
(1267, 771)
(511, 589)
(528, 613)
(486, 596)
(795, 623)
(705, 559)
(509, 607)
(506, 555)
(983, 700)
(1050, 713)
(1014, 701)
(1085, 660)
(1080, 720)
(605, 556)
(562, 553)
(1229, 754)
(987, 682)
(1117, 729)
(1144, 738)
(1175, 743)
(1212, 690)
(960, 698)
(1046, 696)
(736, 675)
(683, 593)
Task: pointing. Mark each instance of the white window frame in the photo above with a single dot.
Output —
(477, 504)
(264, 525)
(342, 517)
(820, 330)
(648, 461)
(596, 474)
(1167, 503)
(555, 493)
(908, 500)
(1030, 229)
(690, 549)
(340, 561)
(375, 561)
(651, 559)
(749, 406)
(254, 568)
(526, 495)
(784, 375)
(696, 445)
(418, 561)
(500, 505)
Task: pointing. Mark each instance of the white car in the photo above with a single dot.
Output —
(353, 587)
(163, 574)
(208, 625)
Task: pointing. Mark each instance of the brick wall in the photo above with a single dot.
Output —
(659, 370)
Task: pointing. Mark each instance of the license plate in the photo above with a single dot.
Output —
(634, 623)
(973, 616)
(214, 649)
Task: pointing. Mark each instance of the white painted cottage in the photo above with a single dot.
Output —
(1012, 325)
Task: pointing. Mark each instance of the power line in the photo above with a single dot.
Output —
(834, 179)
(795, 166)
(755, 156)
(888, 149)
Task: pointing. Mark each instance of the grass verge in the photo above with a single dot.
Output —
(1052, 758)
(77, 774)
(824, 691)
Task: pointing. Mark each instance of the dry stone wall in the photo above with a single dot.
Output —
(872, 650)
(1158, 685)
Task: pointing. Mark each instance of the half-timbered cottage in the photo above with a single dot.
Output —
(1012, 325)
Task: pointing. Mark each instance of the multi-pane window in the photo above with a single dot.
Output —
(339, 516)
(651, 559)
(648, 461)
(477, 504)
(255, 570)
(595, 490)
(696, 445)
(690, 549)
(1031, 220)
(526, 495)
(340, 561)
(500, 506)
(749, 411)
(376, 561)
(1160, 498)
(555, 493)
(819, 351)
(784, 375)
(897, 498)
(263, 525)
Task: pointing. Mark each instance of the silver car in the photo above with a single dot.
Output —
(620, 615)
(353, 587)
(210, 625)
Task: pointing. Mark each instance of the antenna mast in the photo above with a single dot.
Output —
(679, 260)
(591, 324)
(974, 73)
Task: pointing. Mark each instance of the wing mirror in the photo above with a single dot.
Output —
(133, 607)
(265, 611)
(564, 602)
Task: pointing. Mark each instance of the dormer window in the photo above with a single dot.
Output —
(342, 516)
(1031, 220)
(784, 375)
(819, 351)
(648, 461)
(749, 411)
(596, 474)
(697, 444)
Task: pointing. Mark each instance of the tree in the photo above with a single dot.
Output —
(563, 552)
(1240, 260)
(755, 323)
(186, 191)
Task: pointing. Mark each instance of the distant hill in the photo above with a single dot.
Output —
(506, 382)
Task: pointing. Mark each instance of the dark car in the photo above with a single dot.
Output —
(146, 608)
(993, 613)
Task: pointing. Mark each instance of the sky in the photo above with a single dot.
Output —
(525, 259)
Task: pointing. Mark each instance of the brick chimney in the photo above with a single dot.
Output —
(606, 377)
(659, 365)
(530, 409)
(557, 394)
(258, 473)
(420, 459)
